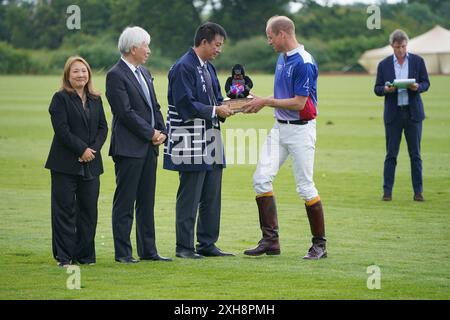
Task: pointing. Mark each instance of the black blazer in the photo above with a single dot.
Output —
(386, 72)
(132, 131)
(74, 133)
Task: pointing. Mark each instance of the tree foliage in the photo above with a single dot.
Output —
(335, 34)
(171, 23)
(244, 19)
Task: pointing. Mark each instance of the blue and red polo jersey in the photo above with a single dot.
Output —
(296, 75)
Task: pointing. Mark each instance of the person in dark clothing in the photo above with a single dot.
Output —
(75, 163)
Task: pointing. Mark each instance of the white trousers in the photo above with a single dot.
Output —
(283, 140)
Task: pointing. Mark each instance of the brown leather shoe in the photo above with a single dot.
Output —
(418, 197)
(268, 221)
(387, 197)
(269, 247)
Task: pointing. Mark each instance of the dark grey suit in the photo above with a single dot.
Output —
(135, 159)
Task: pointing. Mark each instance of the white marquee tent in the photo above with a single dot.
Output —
(433, 46)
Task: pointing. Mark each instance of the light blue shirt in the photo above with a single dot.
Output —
(401, 72)
(137, 75)
(140, 78)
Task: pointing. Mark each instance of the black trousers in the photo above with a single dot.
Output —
(135, 190)
(74, 217)
(198, 191)
(413, 135)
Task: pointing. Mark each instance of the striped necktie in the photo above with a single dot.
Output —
(209, 86)
(210, 91)
(145, 89)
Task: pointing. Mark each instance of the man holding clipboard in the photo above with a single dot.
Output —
(401, 78)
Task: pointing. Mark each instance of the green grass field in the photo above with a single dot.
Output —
(409, 241)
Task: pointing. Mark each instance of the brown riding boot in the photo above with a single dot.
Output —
(268, 222)
(318, 249)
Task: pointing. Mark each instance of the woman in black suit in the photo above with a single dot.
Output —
(75, 162)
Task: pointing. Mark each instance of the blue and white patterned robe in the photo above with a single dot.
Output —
(194, 141)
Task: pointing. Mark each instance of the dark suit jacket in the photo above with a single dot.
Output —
(132, 131)
(386, 72)
(74, 132)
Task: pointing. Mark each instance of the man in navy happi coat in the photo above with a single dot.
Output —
(194, 146)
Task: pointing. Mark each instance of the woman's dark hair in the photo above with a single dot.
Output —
(208, 31)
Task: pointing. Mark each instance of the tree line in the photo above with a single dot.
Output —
(34, 37)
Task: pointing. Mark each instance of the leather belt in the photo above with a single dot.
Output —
(299, 122)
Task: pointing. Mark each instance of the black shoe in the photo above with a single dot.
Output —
(418, 197)
(187, 254)
(129, 260)
(156, 257)
(63, 264)
(84, 262)
(387, 197)
(214, 252)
